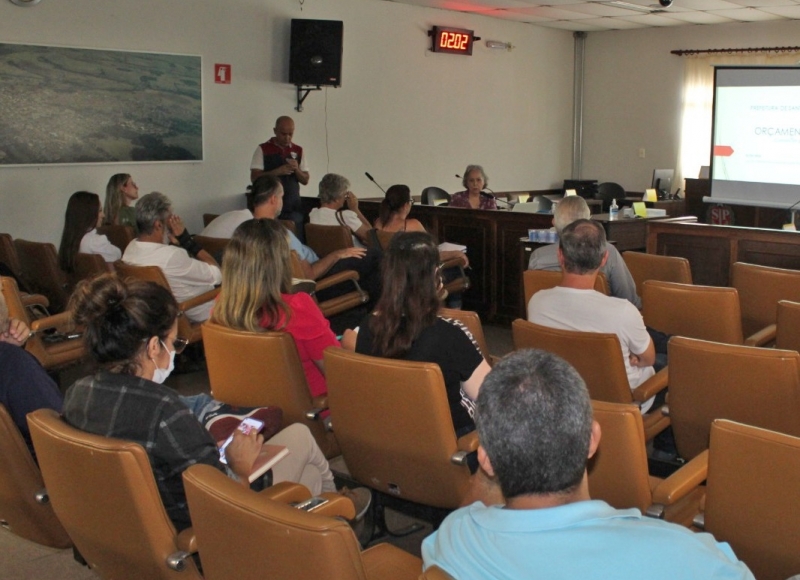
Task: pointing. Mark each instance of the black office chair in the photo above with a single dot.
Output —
(608, 192)
(435, 196)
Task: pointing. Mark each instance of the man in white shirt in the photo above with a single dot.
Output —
(575, 305)
(187, 276)
(339, 207)
(225, 224)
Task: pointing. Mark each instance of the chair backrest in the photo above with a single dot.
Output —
(788, 326)
(535, 280)
(8, 255)
(260, 369)
(145, 273)
(704, 312)
(208, 218)
(751, 499)
(596, 356)
(656, 267)
(41, 274)
(87, 266)
(289, 225)
(760, 288)
(118, 235)
(214, 246)
(473, 323)
(21, 487)
(393, 424)
(326, 239)
(618, 471)
(104, 493)
(608, 192)
(434, 196)
(242, 535)
(709, 380)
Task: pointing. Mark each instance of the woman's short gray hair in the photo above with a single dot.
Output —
(470, 169)
(332, 187)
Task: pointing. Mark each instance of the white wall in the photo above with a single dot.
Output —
(633, 93)
(403, 114)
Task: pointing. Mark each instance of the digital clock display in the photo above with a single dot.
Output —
(452, 40)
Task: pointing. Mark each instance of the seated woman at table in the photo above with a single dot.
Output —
(256, 296)
(474, 180)
(132, 336)
(83, 216)
(339, 207)
(121, 193)
(406, 325)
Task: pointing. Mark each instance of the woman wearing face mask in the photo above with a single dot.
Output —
(131, 334)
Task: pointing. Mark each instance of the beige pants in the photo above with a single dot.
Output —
(305, 463)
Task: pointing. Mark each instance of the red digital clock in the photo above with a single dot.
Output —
(452, 40)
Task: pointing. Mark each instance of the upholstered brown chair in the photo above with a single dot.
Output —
(186, 328)
(208, 218)
(656, 267)
(787, 335)
(259, 369)
(333, 306)
(242, 535)
(214, 246)
(87, 266)
(704, 312)
(618, 471)
(326, 239)
(751, 500)
(24, 504)
(41, 274)
(710, 380)
(8, 255)
(120, 236)
(535, 280)
(104, 493)
(60, 348)
(392, 420)
(435, 573)
(598, 359)
(760, 289)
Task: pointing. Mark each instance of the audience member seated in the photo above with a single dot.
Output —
(131, 333)
(405, 325)
(256, 295)
(224, 225)
(339, 207)
(84, 215)
(121, 193)
(475, 179)
(568, 210)
(536, 434)
(575, 305)
(190, 270)
(24, 384)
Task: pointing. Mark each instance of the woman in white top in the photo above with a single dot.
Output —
(334, 195)
(84, 215)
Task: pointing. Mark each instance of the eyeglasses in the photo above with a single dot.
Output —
(179, 344)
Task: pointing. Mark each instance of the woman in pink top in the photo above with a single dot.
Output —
(256, 296)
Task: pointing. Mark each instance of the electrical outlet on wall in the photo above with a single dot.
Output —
(641, 152)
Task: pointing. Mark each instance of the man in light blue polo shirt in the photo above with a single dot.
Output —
(535, 425)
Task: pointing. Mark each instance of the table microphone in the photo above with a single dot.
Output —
(375, 182)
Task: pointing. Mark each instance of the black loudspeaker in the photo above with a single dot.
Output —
(316, 52)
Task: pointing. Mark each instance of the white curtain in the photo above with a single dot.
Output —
(698, 94)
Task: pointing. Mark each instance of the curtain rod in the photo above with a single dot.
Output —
(736, 50)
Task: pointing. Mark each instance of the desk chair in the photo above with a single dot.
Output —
(333, 306)
(244, 536)
(214, 246)
(120, 236)
(260, 369)
(751, 500)
(608, 192)
(703, 312)
(52, 354)
(8, 255)
(535, 280)
(208, 218)
(326, 239)
(787, 334)
(186, 328)
(87, 266)
(104, 493)
(41, 274)
(435, 196)
(656, 267)
(598, 359)
(25, 508)
(710, 380)
(760, 288)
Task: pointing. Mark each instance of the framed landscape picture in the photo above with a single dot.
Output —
(74, 105)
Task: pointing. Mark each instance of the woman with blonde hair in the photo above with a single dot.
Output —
(257, 296)
(121, 193)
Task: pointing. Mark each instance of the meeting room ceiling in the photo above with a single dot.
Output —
(580, 15)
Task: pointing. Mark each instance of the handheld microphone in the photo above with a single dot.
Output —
(375, 182)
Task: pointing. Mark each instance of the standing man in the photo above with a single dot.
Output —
(283, 159)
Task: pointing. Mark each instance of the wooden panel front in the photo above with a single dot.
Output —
(709, 257)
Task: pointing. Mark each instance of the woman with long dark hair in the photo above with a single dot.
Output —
(406, 325)
(83, 216)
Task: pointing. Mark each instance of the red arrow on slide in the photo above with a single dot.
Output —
(723, 150)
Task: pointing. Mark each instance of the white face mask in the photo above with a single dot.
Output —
(160, 375)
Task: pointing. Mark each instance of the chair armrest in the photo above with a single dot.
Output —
(319, 405)
(762, 337)
(286, 492)
(651, 386)
(466, 445)
(337, 278)
(187, 541)
(338, 506)
(187, 545)
(198, 300)
(29, 300)
(679, 484)
(62, 320)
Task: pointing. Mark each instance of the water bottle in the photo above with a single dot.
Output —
(613, 211)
